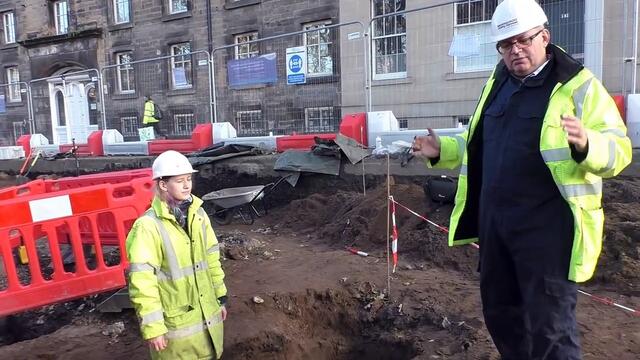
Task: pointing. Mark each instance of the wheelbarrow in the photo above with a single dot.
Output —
(247, 202)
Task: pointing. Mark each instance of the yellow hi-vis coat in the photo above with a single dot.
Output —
(175, 280)
(580, 94)
(149, 112)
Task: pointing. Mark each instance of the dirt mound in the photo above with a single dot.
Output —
(619, 264)
(352, 219)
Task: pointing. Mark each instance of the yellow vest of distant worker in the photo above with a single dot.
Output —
(149, 112)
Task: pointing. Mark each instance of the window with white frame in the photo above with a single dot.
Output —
(126, 76)
(389, 40)
(250, 122)
(318, 43)
(183, 123)
(177, 6)
(473, 24)
(320, 119)
(181, 72)
(244, 50)
(9, 24)
(129, 125)
(61, 16)
(121, 11)
(13, 79)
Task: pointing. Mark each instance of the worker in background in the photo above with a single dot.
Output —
(543, 135)
(152, 116)
(175, 276)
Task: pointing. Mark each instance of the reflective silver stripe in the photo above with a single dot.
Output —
(214, 248)
(461, 144)
(578, 97)
(170, 253)
(151, 317)
(556, 154)
(581, 189)
(194, 329)
(184, 272)
(616, 132)
(463, 169)
(612, 156)
(138, 267)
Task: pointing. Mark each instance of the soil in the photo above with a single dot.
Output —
(322, 302)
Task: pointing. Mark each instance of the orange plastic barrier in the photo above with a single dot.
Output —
(84, 218)
(201, 138)
(300, 142)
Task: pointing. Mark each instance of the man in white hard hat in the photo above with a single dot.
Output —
(543, 135)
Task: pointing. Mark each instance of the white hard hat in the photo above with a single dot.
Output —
(513, 17)
(171, 163)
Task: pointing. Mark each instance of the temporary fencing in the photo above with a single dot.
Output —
(299, 82)
(599, 299)
(15, 112)
(71, 236)
(179, 84)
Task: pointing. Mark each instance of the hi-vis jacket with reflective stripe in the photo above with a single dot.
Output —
(149, 112)
(175, 280)
(577, 93)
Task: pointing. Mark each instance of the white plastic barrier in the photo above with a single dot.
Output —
(407, 135)
(379, 122)
(223, 131)
(11, 152)
(633, 119)
(267, 143)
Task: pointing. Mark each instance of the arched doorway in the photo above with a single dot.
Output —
(74, 105)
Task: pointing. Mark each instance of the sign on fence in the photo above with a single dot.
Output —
(259, 70)
(146, 133)
(3, 107)
(296, 65)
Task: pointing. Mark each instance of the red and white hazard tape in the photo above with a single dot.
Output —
(599, 299)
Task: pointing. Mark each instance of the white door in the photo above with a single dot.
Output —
(69, 112)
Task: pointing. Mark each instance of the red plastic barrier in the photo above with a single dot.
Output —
(355, 127)
(31, 188)
(201, 138)
(619, 100)
(114, 177)
(300, 142)
(94, 141)
(100, 216)
(25, 142)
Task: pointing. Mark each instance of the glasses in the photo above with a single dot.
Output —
(504, 47)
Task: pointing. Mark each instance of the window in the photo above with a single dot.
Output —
(126, 78)
(61, 16)
(403, 123)
(121, 12)
(13, 79)
(473, 24)
(320, 119)
(9, 28)
(129, 125)
(177, 6)
(62, 119)
(318, 43)
(389, 40)
(181, 66)
(243, 50)
(250, 123)
(183, 123)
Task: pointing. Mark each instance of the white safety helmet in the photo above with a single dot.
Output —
(171, 163)
(513, 17)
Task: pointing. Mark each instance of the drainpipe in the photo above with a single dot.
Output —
(209, 27)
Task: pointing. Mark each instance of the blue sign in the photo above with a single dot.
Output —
(3, 105)
(295, 63)
(259, 70)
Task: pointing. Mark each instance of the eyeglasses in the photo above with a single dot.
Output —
(504, 47)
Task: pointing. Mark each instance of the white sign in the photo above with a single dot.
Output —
(353, 35)
(296, 65)
(203, 62)
(50, 208)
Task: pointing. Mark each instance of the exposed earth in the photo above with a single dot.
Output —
(323, 302)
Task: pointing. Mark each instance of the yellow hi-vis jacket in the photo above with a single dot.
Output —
(580, 94)
(175, 280)
(149, 112)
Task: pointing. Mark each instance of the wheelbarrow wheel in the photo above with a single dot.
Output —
(220, 215)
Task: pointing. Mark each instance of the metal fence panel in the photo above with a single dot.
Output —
(179, 84)
(15, 112)
(291, 83)
(67, 106)
(428, 64)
